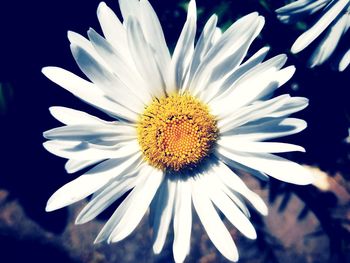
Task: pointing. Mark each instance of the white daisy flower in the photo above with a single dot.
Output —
(333, 23)
(183, 126)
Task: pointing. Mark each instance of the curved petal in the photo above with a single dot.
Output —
(182, 220)
(130, 212)
(212, 223)
(326, 19)
(88, 92)
(275, 166)
(183, 50)
(227, 206)
(90, 182)
(143, 58)
(70, 116)
(163, 213)
(109, 195)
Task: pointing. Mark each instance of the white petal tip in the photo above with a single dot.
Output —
(79, 221)
(232, 257)
(304, 179)
(98, 240)
(101, 5)
(156, 250)
(52, 206)
(46, 70)
(297, 47)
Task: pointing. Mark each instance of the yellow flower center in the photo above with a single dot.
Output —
(176, 132)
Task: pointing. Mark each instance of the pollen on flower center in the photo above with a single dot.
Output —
(176, 132)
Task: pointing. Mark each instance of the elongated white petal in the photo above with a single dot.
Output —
(88, 92)
(326, 19)
(268, 129)
(89, 182)
(73, 117)
(203, 45)
(329, 43)
(130, 212)
(78, 40)
(109, 195)
(232, 40)
(345, 61)
(154, 35)
(113, 29)
(233, 182)
(183, 50)
(128, 8)
(111, 85)
(299, 9)
(143, 58)
(88, 151)
(163, 213)
(80, 132)
(212, 223)
(182, 220)
(258, 147)
(257, 83)
(123, 69)
(277, 167)
(294, 104)
(252, 112)
(73, 166)
(227, 207)
(253, 61)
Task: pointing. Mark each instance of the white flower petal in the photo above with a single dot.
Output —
(182, 220)
(326, 19)
(88, 92)
(212, 223)
(253, 61)
(153, 31)
(111, 85)
(252, 112)
(121, 68)
(109, 195)
(345, 61)
(203, 45)
(294, 104)
(78, 40)
(73, 166)
(143, 58)
(183, 51)
(84, 132)
(113, 30)
(129, 8)
(238, 144)
(256, 83)
(298, 9)
(275, 166)
(130, 212)
(238, 33)
(70, 116)
(227, 207)
(268, 129)
(88, 151)
(329, 43)
(233, 182)
(163, 210)
(89, 182)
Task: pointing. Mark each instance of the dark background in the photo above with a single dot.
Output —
(33, 35)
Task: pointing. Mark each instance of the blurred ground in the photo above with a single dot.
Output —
(290, 233)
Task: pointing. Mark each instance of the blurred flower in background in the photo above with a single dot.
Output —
(332, 23)
(180, 123)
